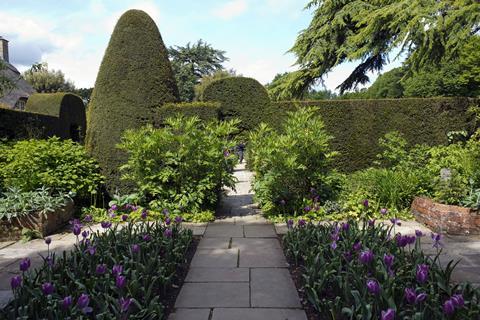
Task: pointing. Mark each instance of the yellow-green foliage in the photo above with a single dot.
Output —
(134, 80)
(356, 125)
(242, 98)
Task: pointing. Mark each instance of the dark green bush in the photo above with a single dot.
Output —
(61, 166)
(183, 164)
(356, 125)
(134, 80)
(206, 111)
(242, 98)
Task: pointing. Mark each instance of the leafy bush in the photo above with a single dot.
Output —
(61, 166)
(361, 271)
(292, 168)
(124, 273)
(184, 164)
(15, 203)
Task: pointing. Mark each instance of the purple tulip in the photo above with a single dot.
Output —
(371, 223)
(357, 245)
(168, 233)
(82, 303)
(422, 273)
(76, 229)
(120, 281)
(365, 203)
(283, 202)
(388, 260)
(345, 227)
(67, 302)
(388, 314)
(333, 245)
(448, 307)
(458, 300)
(403, 241)
(366, 257)
(124, 304)
(91, 250)
(418, 233)
(88, 218)
(410, 295)
(373, 287)
(301, 223)
(135, 248)
(112, 215)
(117, 269)
(348, 256)
(307, 209)
(101, 269)
(166, 212)
(48, 240)
(47, 288)
(16, 282)
(436, 240)
(168, 221)
(178, 219)
(147, 238)
(395, 221)
(144, 214)
(290, 223)
(114, 207)
(124, 217)
(106, 224)
(421, 297)
(85, 233)
(383, 211)
(410, 239)
(25, 264)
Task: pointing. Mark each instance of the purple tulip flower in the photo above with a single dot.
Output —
(117, 269)
(76, 229)
(421, 297)
(82, 303)
(422, 273)
(436, 240)
(383, 211)
(418, 233)
(106, 224)
(333, 245)
(307, 209)
(371, 223)
(114, 207)
(348, 256)
(67, 302)
(120, 281)
(458, 300)
(365, 203)
(135, 248)
(16, 282)
(124, 304)
(395, 221)
(88, 218)
(124, 217)
(410, 295)
(448, 307)
(366, 257)
(147, 238)
(178, 219)
(301, 223)
(373, 287)
(48, 288)
(85, 233)
(388, 314)
(25, 264)
(91, 250)
(388, 260)
(48, 240)
(290, 223)
(144, 214)
(168, 221)
(357, 245)
(168, 233)
(166, 212)
(345, 227)
(101, 269)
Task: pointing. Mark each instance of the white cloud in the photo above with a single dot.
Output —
(231, 9)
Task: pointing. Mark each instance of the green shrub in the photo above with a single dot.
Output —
(292, 168)
(357, 125)
(182, 164)
(242, 98)
(15, 203)
(61, 166)
(206, 111)
(357, 271)
(134, 80)
(122, 273)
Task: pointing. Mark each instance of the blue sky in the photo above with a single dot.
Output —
(72, 35)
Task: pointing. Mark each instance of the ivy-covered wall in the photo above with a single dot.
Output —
(356, 125)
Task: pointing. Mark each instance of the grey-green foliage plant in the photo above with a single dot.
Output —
(15, 203)
(60, 165)
(289, 165)
(185, 163)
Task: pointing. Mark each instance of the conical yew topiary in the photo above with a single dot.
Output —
(135, 78)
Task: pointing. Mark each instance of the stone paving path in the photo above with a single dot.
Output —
(239, 271)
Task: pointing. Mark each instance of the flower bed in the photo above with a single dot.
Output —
(366, 271)
(123, 273)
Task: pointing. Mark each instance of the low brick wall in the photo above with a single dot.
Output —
(46, 223)
(446, 218)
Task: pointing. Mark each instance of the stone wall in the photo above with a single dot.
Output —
(446, 218)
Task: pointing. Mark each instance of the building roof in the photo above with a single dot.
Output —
(22, 88)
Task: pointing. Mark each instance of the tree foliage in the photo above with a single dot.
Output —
(193, 62)
(426, 31)
(46, 81)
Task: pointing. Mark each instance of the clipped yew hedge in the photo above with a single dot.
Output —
(356, 125)
(240, 97)
(134, 80)
(206, 111)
